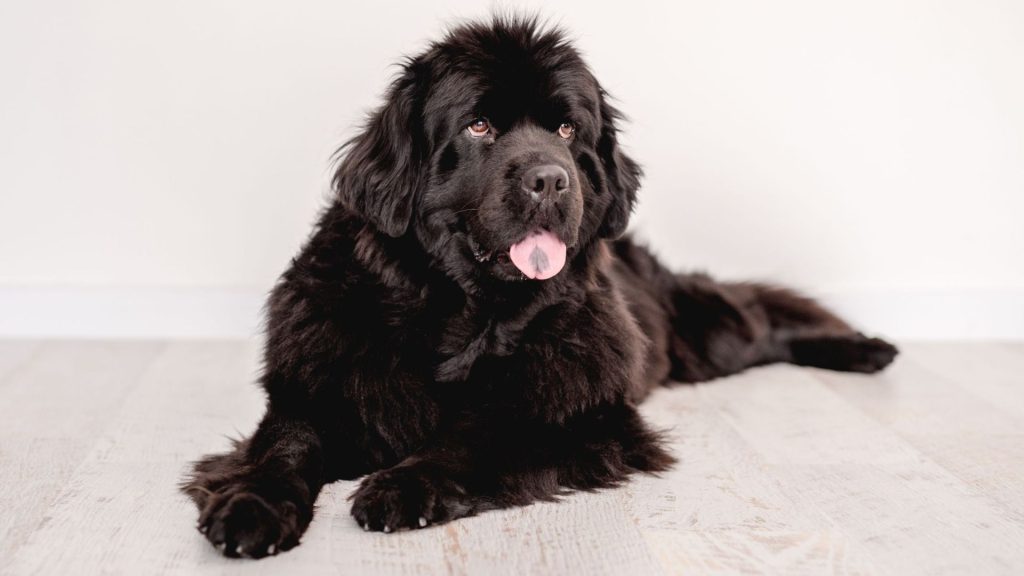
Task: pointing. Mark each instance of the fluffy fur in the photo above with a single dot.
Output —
(403, 347)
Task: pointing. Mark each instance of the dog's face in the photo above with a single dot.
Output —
(497, 150)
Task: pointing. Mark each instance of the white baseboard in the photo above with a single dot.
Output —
(933, 314)
(939, 314)
(130, 313)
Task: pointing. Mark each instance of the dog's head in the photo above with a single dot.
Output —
(497, 149)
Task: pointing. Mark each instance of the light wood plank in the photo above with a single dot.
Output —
(720, 511)
(120, 512)
(954, 428)
(782, 470)
(13, 354)
(52, 410)
(909, 514)
(991, 372)
(1016, 347)
(584, 534)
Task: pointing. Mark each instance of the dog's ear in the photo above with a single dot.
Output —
(381, 169)
(622, 174)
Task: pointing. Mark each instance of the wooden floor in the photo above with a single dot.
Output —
(782, 470)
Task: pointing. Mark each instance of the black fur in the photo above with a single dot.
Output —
(402, 345)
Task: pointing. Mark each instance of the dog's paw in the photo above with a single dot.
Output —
(873, 354)
(853, 353)
(241, 523)
(407, 497)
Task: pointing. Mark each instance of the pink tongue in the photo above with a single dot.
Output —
(540, 255)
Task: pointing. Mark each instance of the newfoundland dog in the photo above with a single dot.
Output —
(466, 328)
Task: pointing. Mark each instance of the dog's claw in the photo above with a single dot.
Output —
(423, 522)
(271, 550)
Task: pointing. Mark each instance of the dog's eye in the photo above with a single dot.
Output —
(479, 127)
(566, 130)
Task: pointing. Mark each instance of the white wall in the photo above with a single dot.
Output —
(158, 159)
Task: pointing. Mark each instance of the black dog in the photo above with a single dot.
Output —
(463, 326)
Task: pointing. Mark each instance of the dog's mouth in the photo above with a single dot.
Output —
(540, 255)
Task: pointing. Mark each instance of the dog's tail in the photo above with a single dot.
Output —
(712, 328)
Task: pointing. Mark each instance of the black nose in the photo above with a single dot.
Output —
(545, 180)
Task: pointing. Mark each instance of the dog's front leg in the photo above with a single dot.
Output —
(258, 499)
(491, 462)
